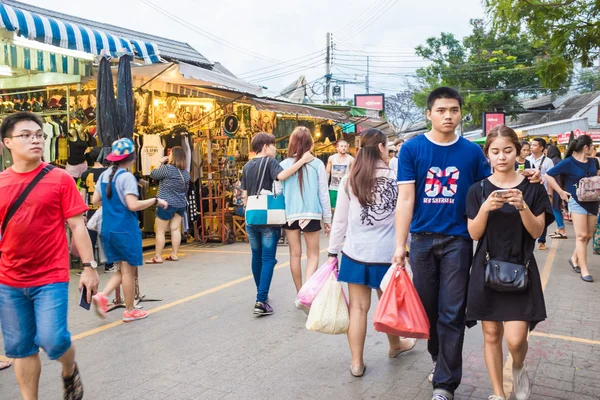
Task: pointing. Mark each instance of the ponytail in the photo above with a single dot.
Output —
(578, 144)
(110, 179)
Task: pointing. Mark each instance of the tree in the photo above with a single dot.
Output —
(490, 69)
(402, 111)
(588, 81)
(570, 27)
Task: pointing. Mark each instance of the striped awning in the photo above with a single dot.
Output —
(71, 36)
(20, 57)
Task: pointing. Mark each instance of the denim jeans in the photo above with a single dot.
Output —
(558, 217)
(542, 239)
(441, 266)
(263, 243)
(35, 317)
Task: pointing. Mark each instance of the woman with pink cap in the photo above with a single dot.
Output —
(117, 192)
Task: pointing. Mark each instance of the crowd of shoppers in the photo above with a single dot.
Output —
(439, 191)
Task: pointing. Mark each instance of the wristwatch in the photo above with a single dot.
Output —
(524, 207)
(92, 264)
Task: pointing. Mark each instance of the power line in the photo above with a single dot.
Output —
(366, 12)
(367, 23)
(303, 58)
(206, 34)
(302, 68)
(281, 69)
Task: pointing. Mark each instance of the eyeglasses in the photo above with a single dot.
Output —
(28, 137)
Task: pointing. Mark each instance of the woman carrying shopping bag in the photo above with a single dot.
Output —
(574, 168)
(506, 213)
(258, 175)
(306, 204)
(365, 215)
(117, 192)
(174, 180)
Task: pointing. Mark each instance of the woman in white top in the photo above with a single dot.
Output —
(365, 214)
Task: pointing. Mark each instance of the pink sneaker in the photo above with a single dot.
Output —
(100, 305)
(134, 315)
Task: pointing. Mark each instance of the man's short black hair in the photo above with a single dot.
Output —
(541, 142)
(443, 92)
(8, 125)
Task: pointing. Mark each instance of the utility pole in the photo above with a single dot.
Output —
(367, 77)
(328, 69)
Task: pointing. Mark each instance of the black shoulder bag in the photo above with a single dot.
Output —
(19, 201)
(504, 276)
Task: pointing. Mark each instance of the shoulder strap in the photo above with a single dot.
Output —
(542, 163)
(17, 204)
(262, 177)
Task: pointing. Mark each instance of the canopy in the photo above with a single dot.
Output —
(72, 36)
(189, 75)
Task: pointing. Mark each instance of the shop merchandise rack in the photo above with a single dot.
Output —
(215, 214)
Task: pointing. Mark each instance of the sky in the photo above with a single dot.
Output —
(273, 42)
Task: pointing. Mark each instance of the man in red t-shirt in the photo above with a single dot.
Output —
(34, 261)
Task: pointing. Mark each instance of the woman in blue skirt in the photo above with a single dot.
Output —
(365, 215)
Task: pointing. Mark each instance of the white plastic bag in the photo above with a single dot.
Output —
(329, 311)
(388, 275)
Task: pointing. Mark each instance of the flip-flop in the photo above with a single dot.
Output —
(169, 258)
(558, 235)
(575, 268)
(5, 365)
(153, 260)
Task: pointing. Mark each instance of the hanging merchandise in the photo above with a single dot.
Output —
(231, 124)
(106, 109)
(125, 98)
(152, 153)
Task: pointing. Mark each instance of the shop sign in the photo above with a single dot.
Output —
(563, 138)
(371, 101)
(490, 120)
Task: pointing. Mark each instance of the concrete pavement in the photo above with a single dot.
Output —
(203, 342)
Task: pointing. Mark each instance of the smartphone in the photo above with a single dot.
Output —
(502, 193)
(83, 303)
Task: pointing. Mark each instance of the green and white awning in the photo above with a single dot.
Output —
(20, 57)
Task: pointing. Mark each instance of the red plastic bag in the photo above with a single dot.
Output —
(400, 311)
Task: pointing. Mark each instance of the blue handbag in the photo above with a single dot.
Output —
(265, 209)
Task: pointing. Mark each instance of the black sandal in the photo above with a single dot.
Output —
(72, 386)
(558, 235)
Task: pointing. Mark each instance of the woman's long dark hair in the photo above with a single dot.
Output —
(363, 175)
(300, 142)
(578, 144)
(553, 152)
(114, 168)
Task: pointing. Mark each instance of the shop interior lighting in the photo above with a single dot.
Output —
(207, 104)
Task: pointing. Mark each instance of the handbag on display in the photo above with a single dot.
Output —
(265, 208)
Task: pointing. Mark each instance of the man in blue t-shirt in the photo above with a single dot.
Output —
(435, 172)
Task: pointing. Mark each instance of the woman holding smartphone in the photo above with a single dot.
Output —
(506, 213)
(574, 168)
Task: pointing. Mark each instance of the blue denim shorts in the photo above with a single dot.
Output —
(575, 207)
(168, 213)
(35, 317)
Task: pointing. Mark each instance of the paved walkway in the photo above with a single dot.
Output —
(203, 342)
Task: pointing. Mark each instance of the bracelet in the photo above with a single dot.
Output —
(332, 255)
(156, 200)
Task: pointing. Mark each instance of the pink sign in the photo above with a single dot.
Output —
(371, 101)
(491, 120)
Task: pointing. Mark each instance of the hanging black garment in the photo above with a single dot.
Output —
(125, 98)
(106, 106)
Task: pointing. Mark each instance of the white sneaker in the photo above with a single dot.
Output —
(521, 384)
(432, 372)
(496, 397)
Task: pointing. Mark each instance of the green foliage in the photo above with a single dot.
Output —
(589, 81)
(570, 27)
(488, 68)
